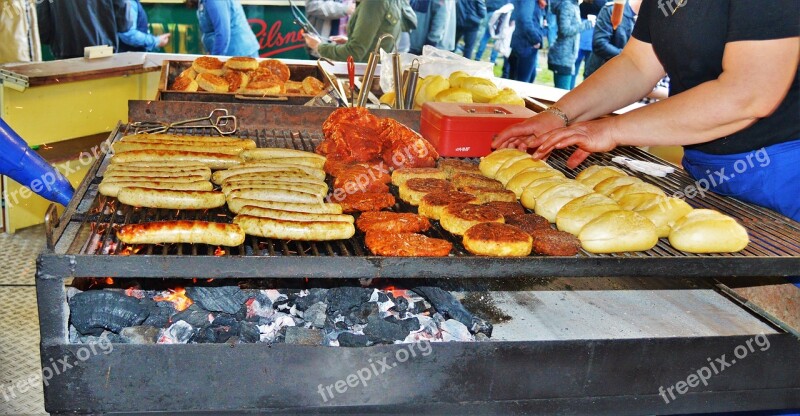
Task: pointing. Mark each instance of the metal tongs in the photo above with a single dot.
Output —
(369, 72)
(219, 120)
(333, 81)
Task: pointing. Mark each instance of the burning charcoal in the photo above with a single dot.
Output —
(226, 299)
(248, 333)
(380, 331)
(194, 316)
(93, 311)
(105, 337)
(140, 334)
(445, 303)
(409, 325)
(314, 296)
(269, 332)
(364, 311)
(303, 336)
(340, 325)
(349, 339)
(401, 304)
(316, 314)
(258, 307)
(342, 299)
(383, 297)
(282, 305)
(160, 314)
(453, 330)
(178, 333)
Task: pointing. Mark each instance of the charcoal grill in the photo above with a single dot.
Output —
(613, 375)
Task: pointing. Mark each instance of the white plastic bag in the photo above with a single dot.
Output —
(433, 62)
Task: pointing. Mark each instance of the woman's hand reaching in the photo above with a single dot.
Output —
(589, 136)
(521, 135)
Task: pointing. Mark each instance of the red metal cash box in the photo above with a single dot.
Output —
(466, 130)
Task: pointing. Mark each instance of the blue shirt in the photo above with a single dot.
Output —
(225, 30)
(137, 38)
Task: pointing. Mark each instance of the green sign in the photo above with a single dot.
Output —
(278, 36)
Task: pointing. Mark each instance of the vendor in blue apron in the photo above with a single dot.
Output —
(734, 101)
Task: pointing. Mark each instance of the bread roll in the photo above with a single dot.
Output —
(185, 84)
(618, 231)
(454, 95)
(607, 186)
(508, 96)
(663, 212)
(552, 200)
(491, 163)
(241, 63)
(636, 188)
(456, 77)
(429, 87)
(520, 181)
(708, 231)
(531, 193)
(212, 83)
(482, 89)
(593, 175)
(208, 65)
(505, 173)
(578, 212)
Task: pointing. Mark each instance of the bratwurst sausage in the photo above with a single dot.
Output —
(295, 230)
(169, 199)
(210, 159)
(195, 232)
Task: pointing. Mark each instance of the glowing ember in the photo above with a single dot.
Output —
(177, 296)
(397, 293)
(128, 250)
(109, 281)
(219, 252)
(134, 292)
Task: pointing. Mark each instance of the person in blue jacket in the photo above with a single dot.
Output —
(526, 40)
(436, 25)
(562, 55)
(469, 14)
(491, 7)
(225, 30)
(138, 38)
(607, 42)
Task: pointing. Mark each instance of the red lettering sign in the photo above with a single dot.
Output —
(273, 40)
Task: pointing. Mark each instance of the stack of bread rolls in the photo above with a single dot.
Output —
(610, 211)
(459, 87)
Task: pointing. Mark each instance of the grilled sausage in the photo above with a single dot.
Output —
(165, 157)
(295, 230)
(271, 177)
(276, 152)
(276, 195)
(170, 199)
(195, 232)
(220, 176)
(123, 147)
(312, 171)
(280, 214)
(236, 205)
(313, 187)
(299, 187)
(113, 188)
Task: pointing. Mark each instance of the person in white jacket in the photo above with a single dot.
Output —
(19, 33)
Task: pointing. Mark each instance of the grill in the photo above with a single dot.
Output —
(89, 226)
(585, 361)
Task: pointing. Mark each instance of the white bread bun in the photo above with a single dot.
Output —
(505, 173)
(607, 186)
(454, 95)
(576, 213)
(531, 193)
(618, 231)
(708, 231)
(635, 188)
(552, 200)
(521, 180)
(429, 87)
(508, 96)
(593, 175)
(663, 211)
(482, 89)
(492, 162)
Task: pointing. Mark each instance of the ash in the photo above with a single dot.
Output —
(346, 316)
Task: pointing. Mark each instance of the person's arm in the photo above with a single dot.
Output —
(741, 95)
(601, 40)
(438, 22)
(134, 37)
(364, 32)
(620, 82)
(220, 17)
(326, 9)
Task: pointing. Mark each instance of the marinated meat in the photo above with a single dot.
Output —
(351, 135)
(406, 245)
(392, 222)
(360, 202)
(555, 243)
(404, 148)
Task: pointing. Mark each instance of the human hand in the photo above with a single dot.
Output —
(521, 135)
(589, 136)
(339, 40)
(162, 40)
(351, 9)
(312, 41)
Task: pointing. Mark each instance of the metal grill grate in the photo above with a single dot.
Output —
(772, 236)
